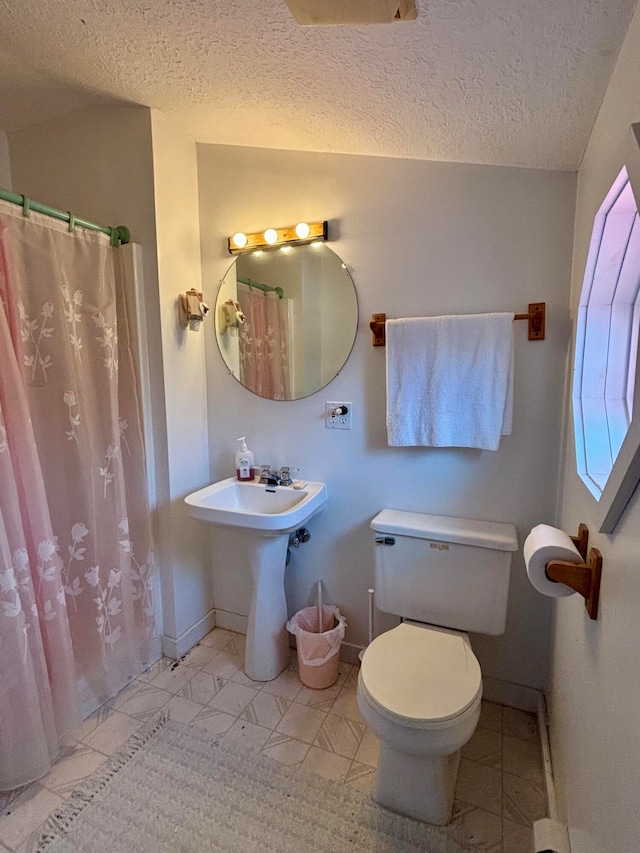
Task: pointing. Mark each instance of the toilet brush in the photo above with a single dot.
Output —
(319, 593)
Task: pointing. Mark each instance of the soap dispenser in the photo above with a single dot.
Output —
(244, 462)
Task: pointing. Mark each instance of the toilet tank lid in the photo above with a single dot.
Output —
(462, 531)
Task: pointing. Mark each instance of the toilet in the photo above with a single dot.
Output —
(420, 684)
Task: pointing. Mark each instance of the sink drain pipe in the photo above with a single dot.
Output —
(296, 539)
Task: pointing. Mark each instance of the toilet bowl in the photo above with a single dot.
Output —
(419, 690)
(420, 684)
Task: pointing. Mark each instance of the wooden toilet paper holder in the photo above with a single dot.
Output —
(584, 577)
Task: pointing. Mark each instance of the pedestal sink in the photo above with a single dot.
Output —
(263, 516)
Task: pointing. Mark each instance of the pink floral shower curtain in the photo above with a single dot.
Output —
(264, 343)
(76, 562)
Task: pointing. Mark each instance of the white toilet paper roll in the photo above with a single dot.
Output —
(546, 543)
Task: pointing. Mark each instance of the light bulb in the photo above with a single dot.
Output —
(270, 235)
(240, 239)
(302, 230)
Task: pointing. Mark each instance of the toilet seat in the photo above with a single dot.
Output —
(421, 677)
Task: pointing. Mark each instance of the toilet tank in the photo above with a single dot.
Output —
(444, 571)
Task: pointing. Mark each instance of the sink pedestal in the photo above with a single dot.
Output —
(261, 519)
(267, 651)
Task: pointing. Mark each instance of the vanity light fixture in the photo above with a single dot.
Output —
(303, 232)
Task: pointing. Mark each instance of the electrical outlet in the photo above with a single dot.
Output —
(337, 415)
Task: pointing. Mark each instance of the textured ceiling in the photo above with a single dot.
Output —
(508, 82)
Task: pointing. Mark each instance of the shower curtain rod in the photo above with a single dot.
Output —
(119, 234)
(264, 287)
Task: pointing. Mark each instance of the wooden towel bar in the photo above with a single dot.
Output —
(536, 317)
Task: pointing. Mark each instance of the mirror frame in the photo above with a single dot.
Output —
(233, 265)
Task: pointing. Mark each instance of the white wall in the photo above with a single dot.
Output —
(420, 239)
(596, 665)
(5, 165)
(187, 584)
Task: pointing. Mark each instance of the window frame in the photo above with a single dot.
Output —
(624, 476)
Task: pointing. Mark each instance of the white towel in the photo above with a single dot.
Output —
(450, 380)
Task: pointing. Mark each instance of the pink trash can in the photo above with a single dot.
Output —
(318, 651)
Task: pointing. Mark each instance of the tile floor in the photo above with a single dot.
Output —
(500, 786)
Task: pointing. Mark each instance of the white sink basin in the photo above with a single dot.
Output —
(271, 510)
(263, 516)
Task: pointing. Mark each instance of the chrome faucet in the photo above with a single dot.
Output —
(276, 478)
(269, 477)
(285, 476)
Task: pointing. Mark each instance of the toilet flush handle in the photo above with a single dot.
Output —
(385, 540)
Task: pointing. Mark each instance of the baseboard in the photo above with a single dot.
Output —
(155, 653)
(513, 695)
(175, 648)
(550, 835)
(495, 690)
(231, 621)
(350, 653)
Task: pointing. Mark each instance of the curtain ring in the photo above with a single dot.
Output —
(25, 206)
(72, 222)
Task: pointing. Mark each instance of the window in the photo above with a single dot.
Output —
(604, 384)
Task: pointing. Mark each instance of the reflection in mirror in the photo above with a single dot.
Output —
(286, 320)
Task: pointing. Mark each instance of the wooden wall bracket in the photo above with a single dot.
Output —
(191, 309)
(536, 317)
(583, 577)
(377, 327)
(581, 541)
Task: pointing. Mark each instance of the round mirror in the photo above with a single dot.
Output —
(286, 320)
